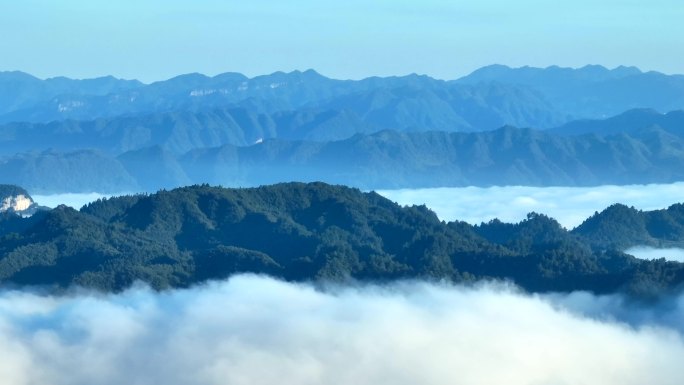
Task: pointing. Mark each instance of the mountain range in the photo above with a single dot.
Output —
(310, 232)
(486, 99)
(498, 125)
(591, 91)
(637, 147)
(409, 102)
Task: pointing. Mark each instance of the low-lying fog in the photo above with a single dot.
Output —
(568, 205)
(646, 252)
(75, 200)
(256, 330)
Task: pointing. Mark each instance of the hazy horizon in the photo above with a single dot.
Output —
(361, 77)
(157, 39)
(314, 283)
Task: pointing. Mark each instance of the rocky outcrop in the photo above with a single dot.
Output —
(14, 199)
(16, 203)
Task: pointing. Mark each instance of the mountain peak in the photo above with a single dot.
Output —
(230, 76)
(536, 75)
(16, 76)
(626, 70)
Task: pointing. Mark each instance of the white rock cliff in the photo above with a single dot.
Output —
(16, 203)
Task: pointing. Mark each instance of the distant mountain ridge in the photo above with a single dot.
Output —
(23, 91)
(638, 147)
(592, 91)
(486, 99)
(549, 77)
(108, 134)
(181, 131)
(630, 122)
(403, 103)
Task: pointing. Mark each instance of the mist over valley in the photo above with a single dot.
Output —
(341, 193)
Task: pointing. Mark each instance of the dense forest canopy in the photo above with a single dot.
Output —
(316, 231)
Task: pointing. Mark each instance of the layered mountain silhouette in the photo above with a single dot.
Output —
(639, 146)
(496, 126)
(409, 102)
(592, 91)
(486, 99)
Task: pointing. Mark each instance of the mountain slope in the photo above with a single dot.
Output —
(303, 232)
(622, 227)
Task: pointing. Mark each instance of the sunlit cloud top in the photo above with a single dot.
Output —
(255, 330)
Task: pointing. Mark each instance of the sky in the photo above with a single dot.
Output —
(156, 39)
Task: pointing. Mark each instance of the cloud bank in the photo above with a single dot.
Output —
(647, 252)
(569, 205)
(75, 200)
(256, 330)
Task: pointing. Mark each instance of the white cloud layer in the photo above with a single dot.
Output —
(255, 330)
(75, 200)
(569, 205)
(647, 252)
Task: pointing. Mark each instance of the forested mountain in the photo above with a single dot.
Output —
(304, 232)
(620, 227)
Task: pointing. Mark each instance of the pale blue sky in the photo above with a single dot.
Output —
(156, 39)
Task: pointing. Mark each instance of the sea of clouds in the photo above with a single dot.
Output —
(646, 252)
(75, 200)
(257, 330)
(568, 205)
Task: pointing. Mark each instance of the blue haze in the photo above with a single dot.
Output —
(156, 39)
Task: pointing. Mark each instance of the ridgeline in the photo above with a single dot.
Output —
(315, 231)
